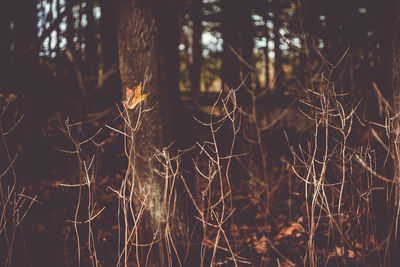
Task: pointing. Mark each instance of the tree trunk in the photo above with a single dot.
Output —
(391, 9)
(266, 48)
(78, 44)
(51, 18)
(148, 42)
(91, 57)
(237, 33)
(5, 44)
(277, 50)
(108, 24)
(196, 12)
(58, 30)
(25, 23)
(70, 31)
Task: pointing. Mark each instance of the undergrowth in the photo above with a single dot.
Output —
(333, 200)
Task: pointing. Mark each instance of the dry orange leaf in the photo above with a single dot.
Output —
(134, 97)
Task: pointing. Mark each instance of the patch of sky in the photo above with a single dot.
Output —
(97, 12)
(362, 10)
(54, 8)
(53, 38)
(287, 42)
(258, 20)
(62, 4)
(63, 25)
(63, 42)
(47, 8)
(211, 42)
(321, 43)
(216, 8)
(84, 20)
(46, 42)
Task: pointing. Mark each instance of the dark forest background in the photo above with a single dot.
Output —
(291, 105)
(219, 43)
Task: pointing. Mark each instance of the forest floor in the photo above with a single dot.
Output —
(261, 236)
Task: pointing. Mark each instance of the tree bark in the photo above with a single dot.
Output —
(5, 43)
(70, 31)
(25, 23)
(108, 25)
(277, 42)
(196, 12)
(237, 33)
(148, 42)
(58, 30)
(91, 56)
(391, 67)
(78, 44)
(266, 48)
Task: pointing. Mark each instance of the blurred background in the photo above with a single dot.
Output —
(60, 61)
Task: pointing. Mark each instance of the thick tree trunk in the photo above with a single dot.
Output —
(147, 42)
(391, 68)
(392, 44)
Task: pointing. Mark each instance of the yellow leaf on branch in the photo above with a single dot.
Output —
(134, 97)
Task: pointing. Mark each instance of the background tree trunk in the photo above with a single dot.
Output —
(266, 48)
(238, 45)
(196, 12)
(58, 30)
(70, 30)
(277, 42)
(5, 43)
(108, 25)
(91, 57)
(25, 23)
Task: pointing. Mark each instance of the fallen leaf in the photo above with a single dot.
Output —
(134, 97)
(341, 252)
(288, 231)
(261, 245)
